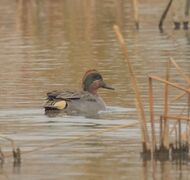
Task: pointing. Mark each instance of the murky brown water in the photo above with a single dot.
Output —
(47, 45)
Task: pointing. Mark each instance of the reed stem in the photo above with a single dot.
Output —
(182, 73)
(152, 115)
(145, 137)
(171, 84)
(136, 13)
(166, 128)
(179, 69)
(177, 117)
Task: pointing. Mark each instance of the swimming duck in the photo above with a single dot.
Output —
(83, 102)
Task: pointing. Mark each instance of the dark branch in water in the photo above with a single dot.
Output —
(164, 16)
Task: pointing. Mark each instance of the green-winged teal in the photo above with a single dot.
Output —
(84, 102)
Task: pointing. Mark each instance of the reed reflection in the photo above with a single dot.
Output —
(164, 169)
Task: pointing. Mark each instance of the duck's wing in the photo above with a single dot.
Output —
(57, 100)
(63, 95)
(60, 100)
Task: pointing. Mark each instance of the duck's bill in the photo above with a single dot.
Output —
(105, 86)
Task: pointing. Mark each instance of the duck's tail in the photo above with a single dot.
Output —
(55, 105)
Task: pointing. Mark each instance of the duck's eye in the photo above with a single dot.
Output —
(97, 76)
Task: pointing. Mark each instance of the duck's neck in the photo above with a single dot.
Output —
(93, 91)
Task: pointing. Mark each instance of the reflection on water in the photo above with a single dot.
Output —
(47, 45)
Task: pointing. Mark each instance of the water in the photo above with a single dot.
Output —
(48, 45)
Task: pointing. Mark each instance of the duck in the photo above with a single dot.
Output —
(82, 102)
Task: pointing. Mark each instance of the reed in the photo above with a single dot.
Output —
(180, 147)
(16, 153)
(136, 13)
(174, 126)
(2, 156)
(166, 148)
(166, 128)
(140, 109)
(179, 138)
(177, 117)
(179, 96)
(182, 73)
(170, 83)
(151, 100)
(179, 69)
(187, 121)
(161, 131)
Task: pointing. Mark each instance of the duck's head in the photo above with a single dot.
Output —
(92, 81)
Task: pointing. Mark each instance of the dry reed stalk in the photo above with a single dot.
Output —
(179, 96)
(151, 100)
(121, 41)
(161, 130)
(177, 117)
(188, 123)
(166, 108)
(174, 126)
(181, 72)
(136, 13)
(176, 134)
(179, 130)
(171, 84)
(167, 83)
(142, 125)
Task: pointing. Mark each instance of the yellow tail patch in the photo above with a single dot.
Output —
(60, 104)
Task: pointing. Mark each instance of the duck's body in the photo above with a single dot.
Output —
(74, 103)
(84, 102)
